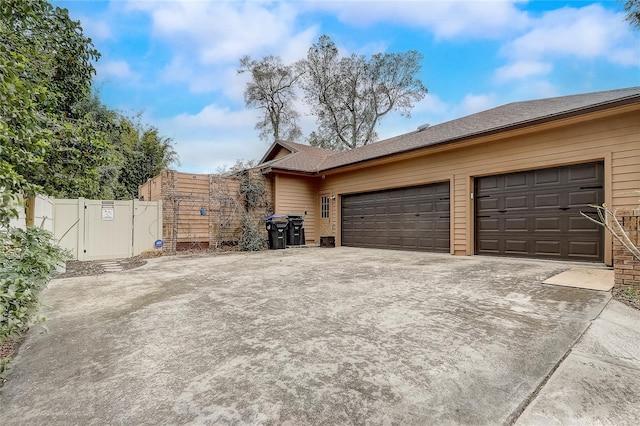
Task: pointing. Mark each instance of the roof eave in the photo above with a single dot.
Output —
(515, 126)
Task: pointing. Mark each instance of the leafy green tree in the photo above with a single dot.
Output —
(350, 95)
(45, 69)
(144, 153)
(272, 89)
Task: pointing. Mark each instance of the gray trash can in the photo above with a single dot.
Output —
(277, 229)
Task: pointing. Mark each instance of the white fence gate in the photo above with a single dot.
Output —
(99, 229)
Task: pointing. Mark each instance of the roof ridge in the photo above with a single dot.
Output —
(498, 119)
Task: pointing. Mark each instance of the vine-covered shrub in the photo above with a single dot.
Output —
(27, 261)
(253, 192)
(256, 205)
(253, 236)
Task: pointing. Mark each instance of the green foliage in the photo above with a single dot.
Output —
(143, 153)
(27, 260)
(45, 69)
(253, 235)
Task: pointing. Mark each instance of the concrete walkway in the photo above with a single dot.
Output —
(598, 383)
(325, 336)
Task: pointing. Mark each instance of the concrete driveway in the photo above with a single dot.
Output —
(298, 336)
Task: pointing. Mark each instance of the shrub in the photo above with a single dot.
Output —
(27, 260)
(253, 237)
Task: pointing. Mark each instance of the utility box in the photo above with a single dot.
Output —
(295, 231)
(277, 229)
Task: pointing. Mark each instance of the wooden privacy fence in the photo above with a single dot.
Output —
(205, 211)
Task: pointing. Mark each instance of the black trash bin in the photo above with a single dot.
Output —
(295, 232)
(277, 229)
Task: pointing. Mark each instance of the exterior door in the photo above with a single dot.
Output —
(325, 227)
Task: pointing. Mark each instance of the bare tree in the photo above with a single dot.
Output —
(272, 89)
(632, 7)
(350, 95)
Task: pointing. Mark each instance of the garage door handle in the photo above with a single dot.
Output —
(361, 217)
(502, 211)
(417, 214)
(564, 208)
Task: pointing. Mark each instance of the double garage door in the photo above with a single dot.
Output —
(415, 218)
(532, 214)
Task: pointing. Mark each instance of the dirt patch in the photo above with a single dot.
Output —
(76, 268)
(628, 296)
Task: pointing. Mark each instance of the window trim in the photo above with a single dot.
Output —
(325, 207)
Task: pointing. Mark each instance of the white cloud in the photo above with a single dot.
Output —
(116, 69)
(446, 19)
(522, 70)
(472, 103)
(214, 117)
(212, 138)
(207, 39)
(97, 29)
(586, 33)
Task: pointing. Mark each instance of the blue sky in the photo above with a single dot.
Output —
(176, 61)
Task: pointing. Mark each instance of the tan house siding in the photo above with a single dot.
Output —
(295, 194)
(281, 153)
(611, 139)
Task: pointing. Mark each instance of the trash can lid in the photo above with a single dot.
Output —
(277, 218)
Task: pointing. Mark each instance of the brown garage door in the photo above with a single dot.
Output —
(415, 218)
(537, 213)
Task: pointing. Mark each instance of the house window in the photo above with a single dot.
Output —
(325, 207)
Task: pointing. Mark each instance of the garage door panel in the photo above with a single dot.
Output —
(547, 224)
(514, 181)
(581, 249)
(515, 246)
(515, 224)
(545, 177)
(541, 201)
(582, 198)
(586, 173)
(514, 202)
(543, 220)
(415, 218)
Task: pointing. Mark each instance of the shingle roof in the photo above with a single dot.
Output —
(303, 158)
(519, 114)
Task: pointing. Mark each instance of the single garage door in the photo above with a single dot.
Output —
(415, 218)
(537, 213)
